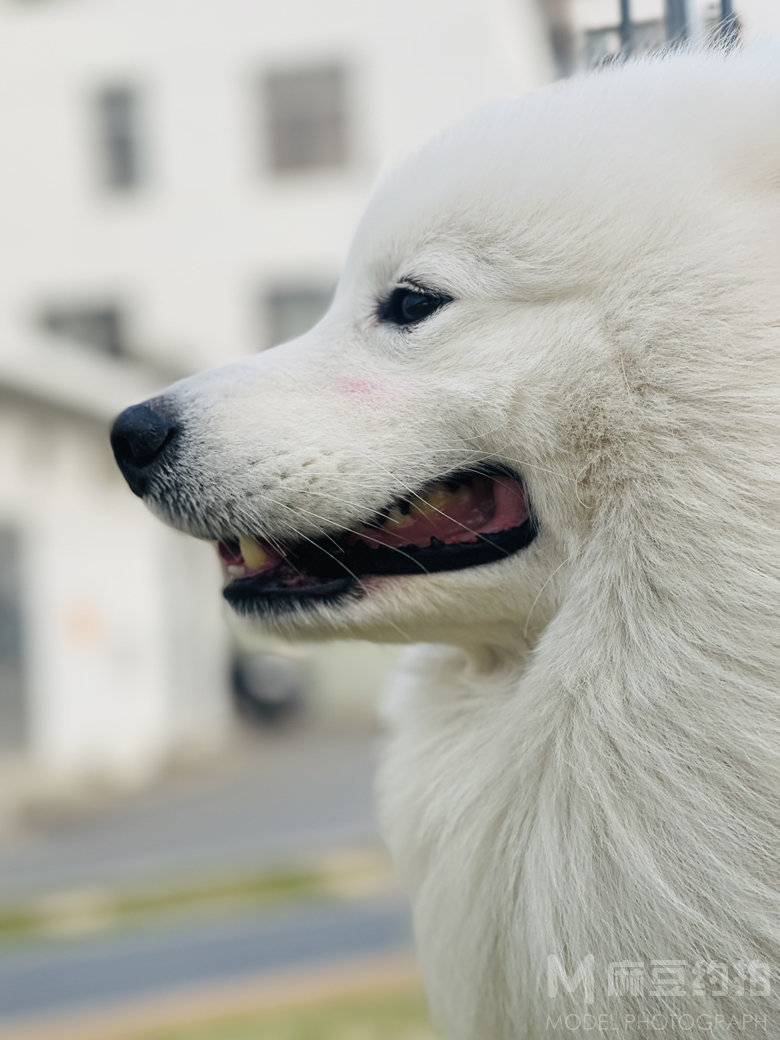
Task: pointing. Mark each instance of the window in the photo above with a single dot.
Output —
(101, 327)
(13, 705)
(306, 115)
(292, 310)
(604, 44)
(118, 138)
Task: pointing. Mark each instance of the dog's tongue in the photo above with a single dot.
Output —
(484, 505)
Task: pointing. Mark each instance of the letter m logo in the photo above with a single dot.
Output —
(581, 978)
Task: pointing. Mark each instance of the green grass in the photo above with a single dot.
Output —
(81, 912)
(398, 1016)
(271, 887)
(87, 914)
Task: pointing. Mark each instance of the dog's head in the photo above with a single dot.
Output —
(516, 354)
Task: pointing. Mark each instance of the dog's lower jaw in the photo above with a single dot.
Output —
(432, 609)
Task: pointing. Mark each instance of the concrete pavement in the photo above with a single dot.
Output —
(55, 980)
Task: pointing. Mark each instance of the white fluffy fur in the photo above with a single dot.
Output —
(591, 766)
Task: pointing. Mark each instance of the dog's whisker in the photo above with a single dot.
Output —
(311, 541)
(360, 534)
(361, 584)
(476, 456)
(538, 596)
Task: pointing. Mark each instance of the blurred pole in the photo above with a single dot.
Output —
(626, 29)
(560, 32)
(730, 29)
(677, 27)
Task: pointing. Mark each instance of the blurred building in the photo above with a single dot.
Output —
(179, 183)
(110, 642)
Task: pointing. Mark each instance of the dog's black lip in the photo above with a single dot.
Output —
(244, 593)
(320, 559)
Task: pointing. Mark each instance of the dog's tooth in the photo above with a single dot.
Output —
(254, 554)
(434, 503)
(439, 498)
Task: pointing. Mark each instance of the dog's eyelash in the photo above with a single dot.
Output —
(420, 286)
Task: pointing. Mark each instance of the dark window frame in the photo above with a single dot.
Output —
(14, 651)
(118, 113)
(100, 325)
(307, 118)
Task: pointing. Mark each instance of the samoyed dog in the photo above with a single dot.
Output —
(536, 432)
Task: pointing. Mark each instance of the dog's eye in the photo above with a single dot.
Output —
(411, 306)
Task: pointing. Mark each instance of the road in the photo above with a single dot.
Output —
(70, 975)
(284, 796)
(280, 798)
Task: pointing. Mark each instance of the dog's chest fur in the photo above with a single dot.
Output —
(522, 836)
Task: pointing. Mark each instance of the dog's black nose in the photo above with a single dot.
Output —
(139, 437)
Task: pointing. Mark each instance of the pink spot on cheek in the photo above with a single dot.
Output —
(356, 387)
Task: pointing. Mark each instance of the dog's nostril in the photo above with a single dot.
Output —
(139, 437)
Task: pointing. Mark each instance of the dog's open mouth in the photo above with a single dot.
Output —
(463, 520)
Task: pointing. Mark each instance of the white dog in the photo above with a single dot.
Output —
(536, 428)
